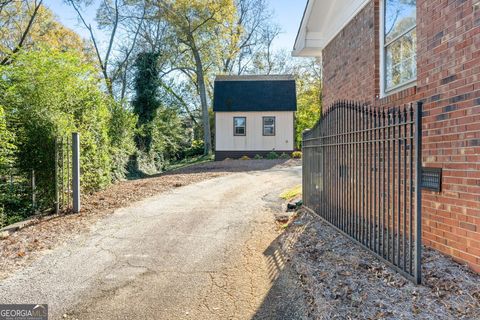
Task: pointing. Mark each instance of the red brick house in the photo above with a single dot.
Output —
(392, 52)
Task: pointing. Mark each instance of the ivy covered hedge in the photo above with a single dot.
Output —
(47, 94)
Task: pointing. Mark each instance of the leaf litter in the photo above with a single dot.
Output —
(341, 280)
(23, 247)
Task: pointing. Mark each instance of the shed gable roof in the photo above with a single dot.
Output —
(254, 93)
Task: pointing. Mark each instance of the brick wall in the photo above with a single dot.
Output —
(448, 83)
(350, 60)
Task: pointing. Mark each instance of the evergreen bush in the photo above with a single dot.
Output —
(272, 155)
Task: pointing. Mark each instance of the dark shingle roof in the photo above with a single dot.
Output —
(255, 93)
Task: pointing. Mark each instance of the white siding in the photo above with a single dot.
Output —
(254, 139)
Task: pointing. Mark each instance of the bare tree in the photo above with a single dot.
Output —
(123, 61)
(252, 34)
(198, 27)
(112, 16)
(102, 61)
(269, 35)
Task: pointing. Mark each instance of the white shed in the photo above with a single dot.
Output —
(254, 115)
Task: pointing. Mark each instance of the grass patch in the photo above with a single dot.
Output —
(291, 193)
(189, 162)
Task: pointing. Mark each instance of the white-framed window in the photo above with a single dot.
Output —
(398, 44)
(268, 126)
(239, 126)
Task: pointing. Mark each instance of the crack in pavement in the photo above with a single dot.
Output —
(198, 251)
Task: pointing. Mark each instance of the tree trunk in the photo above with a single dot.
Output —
(207, 137)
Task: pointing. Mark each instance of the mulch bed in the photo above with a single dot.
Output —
(341, 280)
(24, 246)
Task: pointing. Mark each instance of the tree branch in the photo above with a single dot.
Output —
(6, 60)
(180, 99)
(97, 51)
(112, 35)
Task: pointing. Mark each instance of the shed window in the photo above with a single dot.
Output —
(399, 50)
(268, 126)
(239, 126)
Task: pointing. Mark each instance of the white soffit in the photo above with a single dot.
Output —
(321, 22)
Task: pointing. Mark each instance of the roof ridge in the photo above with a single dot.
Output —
(266, 77)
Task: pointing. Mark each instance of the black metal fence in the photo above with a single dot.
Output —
(361, 174)
(25, 192)
(63, 174)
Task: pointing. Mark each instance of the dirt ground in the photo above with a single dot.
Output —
(23, 247)
(341, 280)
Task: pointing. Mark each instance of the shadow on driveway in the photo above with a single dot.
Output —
(285, 299)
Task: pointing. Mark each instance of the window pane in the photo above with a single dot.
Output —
(268, 126)
(401, 60)
(269, 131)
(240, 122)
(400, 16)
(268, 121)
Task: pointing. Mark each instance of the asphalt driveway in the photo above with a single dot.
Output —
(203, 251)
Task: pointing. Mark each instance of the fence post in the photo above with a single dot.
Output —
(11, 180)
(34, 200)
(304, 165)
(57, 196)
(76, 171)
(418, 192)
(304, 187)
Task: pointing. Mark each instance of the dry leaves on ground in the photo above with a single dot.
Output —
(24, 246)
(341, 280)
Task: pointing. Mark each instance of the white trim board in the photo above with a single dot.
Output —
(322, 21)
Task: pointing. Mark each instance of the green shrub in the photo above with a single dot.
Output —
(272, 155)
(297, 155)
(160, 141)
(15, 197)
(51, 94)
(245, 158)
(168, 133)
(122, 145)
(284, 156)
(3, 218)
(6, 143)
(146, 163)
(196, 149)
(258, 157)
